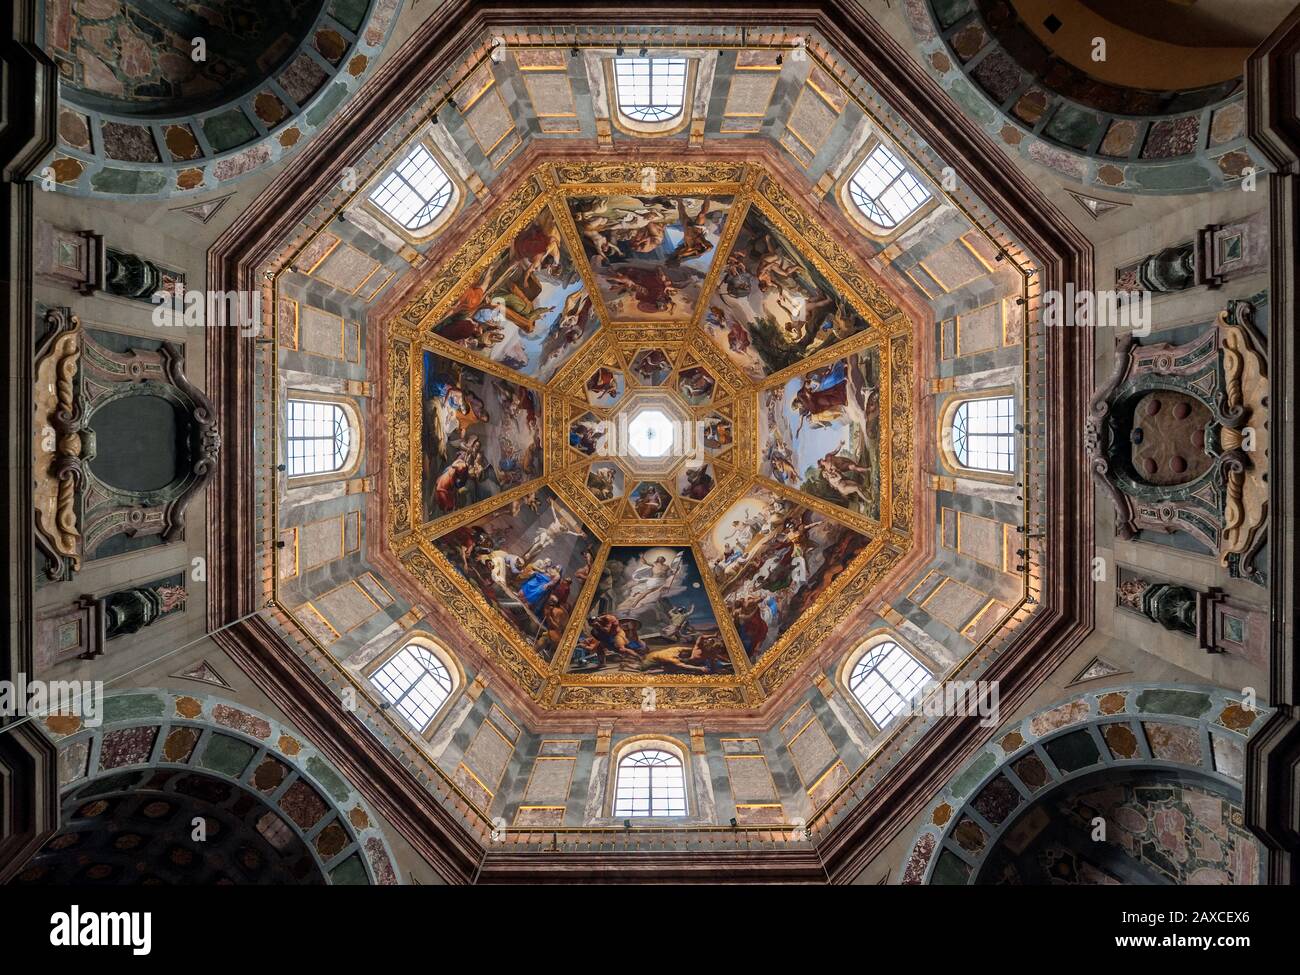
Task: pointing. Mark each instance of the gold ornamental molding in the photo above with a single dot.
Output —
(598, 382)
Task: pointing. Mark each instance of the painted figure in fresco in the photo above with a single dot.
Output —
(517, 401)
(562, 523)
(699, 482)
(649, 614)
(679, 622)
(601, 482)
(695, 242)
(536, 582)
(706, 655)
(821, 432)
(537, 247)
(524, 310)
(621, 226)
(736, 281)
(574, 322)
(822, 395)
(449, 483)
(651, 287)
(650, 501)
(696, 385)
(650, 253)
(651, 580)
(534, 585)
(586, 437)
(737, 336)
(471, 333)
(462, 462)
(747, 614)
(555, 616)
(608, 635)
(772, 560)
(717, 433)
(844, 476)
(603, 384)
(652, 367)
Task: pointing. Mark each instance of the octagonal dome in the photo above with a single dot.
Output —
(661, 454)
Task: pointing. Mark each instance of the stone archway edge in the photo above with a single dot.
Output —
(1181, 727)
(139, 729)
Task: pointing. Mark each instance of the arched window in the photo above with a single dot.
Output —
(650, 782)
(415, 683)
(983, 434)
(319, 437)
(416, 191)
(651, 89)
(886, 191)
(885, 679)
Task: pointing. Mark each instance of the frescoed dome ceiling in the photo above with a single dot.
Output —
(649, 428)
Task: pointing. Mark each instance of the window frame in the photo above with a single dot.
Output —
(855, 212)
(946, 439)
(873, 641)
(671, 126)
(641, 743)
(455, 200)
(455, 673)
(356, 437)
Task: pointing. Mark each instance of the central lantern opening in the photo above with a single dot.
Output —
(650, 433)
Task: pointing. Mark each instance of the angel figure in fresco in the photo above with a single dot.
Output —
(844, 475)
(603, 384)
(562, 523)
(530, 501)
(652, 581)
